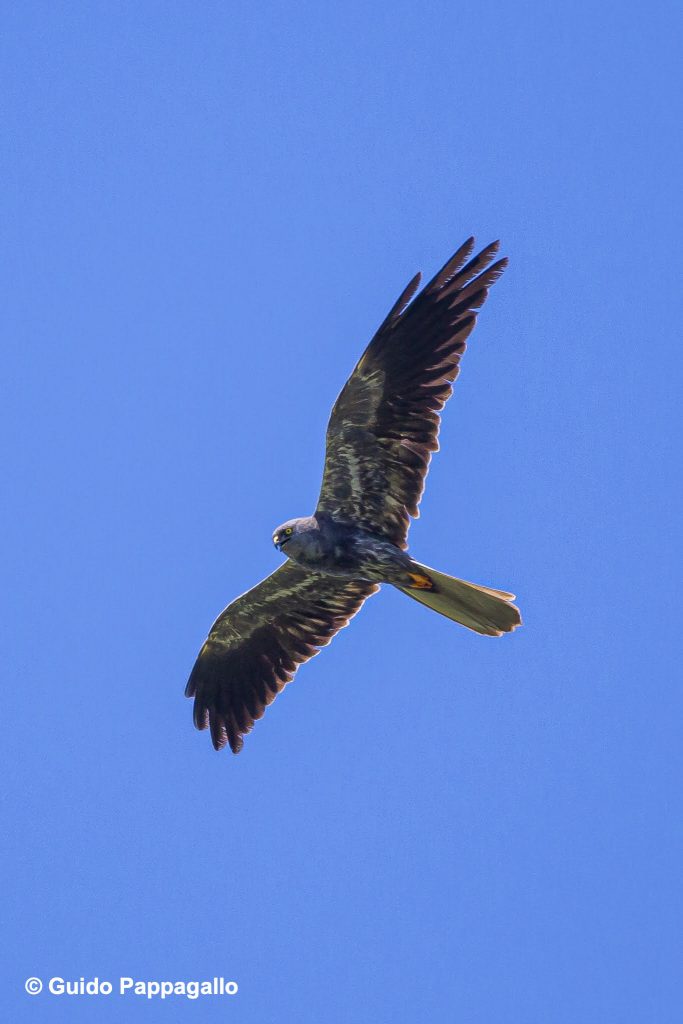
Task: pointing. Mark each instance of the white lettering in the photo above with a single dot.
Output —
(150, 989)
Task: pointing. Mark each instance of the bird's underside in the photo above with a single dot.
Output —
(380, 438)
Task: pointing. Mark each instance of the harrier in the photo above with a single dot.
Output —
(380, 438)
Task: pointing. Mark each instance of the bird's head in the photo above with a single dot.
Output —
(287, 532)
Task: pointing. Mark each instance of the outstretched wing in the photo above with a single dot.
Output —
(256, 645)
(385, 423)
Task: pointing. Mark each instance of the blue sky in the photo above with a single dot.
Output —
(207, 210)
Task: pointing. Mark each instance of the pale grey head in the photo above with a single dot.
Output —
(295, 535)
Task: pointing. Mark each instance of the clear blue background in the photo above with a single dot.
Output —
(207, 209)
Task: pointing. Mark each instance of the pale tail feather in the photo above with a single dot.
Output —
(482, 609)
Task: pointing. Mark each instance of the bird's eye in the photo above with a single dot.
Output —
(288, 530)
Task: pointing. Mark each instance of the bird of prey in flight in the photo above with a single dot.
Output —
(380, 438)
